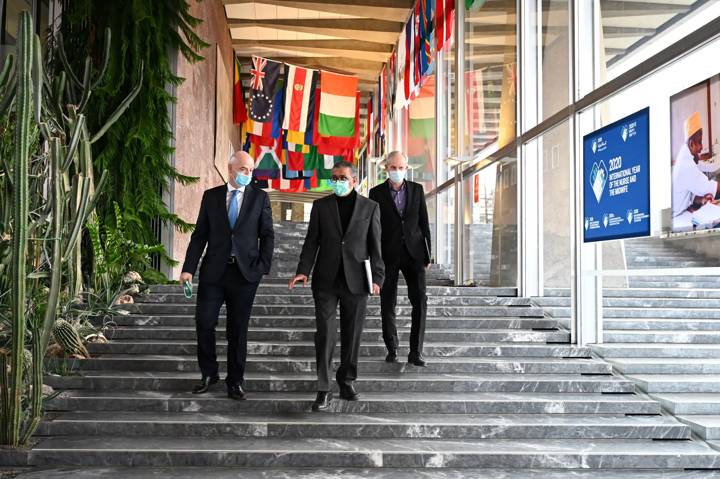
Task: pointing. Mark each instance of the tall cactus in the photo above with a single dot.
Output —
(48, 214)
(24, 112)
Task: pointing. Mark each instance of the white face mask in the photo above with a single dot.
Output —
(397, 176)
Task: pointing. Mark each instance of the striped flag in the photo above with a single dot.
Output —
(338, 105)
(298, 94)
(422, 112)
(239, 110)
(444, 21)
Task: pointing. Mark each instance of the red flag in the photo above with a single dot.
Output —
(444, 21)
(239, 110)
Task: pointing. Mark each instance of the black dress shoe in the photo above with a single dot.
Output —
(416, 359)
(236, 392)
(391, 356)
(205, 384)
(348, 393)
(322, 401)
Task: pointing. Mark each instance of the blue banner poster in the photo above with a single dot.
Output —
(616, 171)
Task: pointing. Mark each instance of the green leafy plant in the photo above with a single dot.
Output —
(136, 150)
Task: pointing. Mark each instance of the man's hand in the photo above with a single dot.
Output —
(708, 198)
(376, 289)
(298, 277)
(185, 276)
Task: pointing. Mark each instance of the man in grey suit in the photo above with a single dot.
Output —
(344, 230)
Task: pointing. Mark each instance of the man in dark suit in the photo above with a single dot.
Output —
(235, 222)
(406, 248)
(344, 230)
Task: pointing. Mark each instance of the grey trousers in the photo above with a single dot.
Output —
(353, 308)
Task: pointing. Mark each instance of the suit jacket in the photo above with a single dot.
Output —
(412, 228)
(252, 236)
(325, 245)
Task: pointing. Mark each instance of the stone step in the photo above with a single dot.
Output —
(372, 453)
(649, 350)
(368, 335)
(689, 403)
(297, 348)
(351, 426)
(699, 283)
(370, 322)
(365, 365)
(308, 310)
(428, 403)
(303, 382)
(361, 473)
(705, 426)
(677, 383)
(669, 324)
(678, 278)
(270, 299)
(667, 365)
(669, 336)
(269, 288)
(652, 262)
(635, 302)
(639, 312)
(639, 293)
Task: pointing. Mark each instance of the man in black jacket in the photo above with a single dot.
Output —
(406, 248)
(344, 230)
(235, 222)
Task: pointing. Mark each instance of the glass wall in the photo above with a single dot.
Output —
(489, 77)
(629, 32)
(490, 225)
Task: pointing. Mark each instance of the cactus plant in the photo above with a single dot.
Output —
(48, 190)
(24, 109)
(67, 336)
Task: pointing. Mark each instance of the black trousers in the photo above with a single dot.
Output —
(238, 295)
(414, 273)
(352, 318)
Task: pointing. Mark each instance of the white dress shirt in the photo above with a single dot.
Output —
(238, 198)
(688, 182)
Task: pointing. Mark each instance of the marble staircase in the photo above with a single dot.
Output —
(663, 332)
(504, 395)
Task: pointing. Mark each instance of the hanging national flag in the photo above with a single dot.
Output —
(264, 83)
(382, 101)
(426, 36)
(306, 136)
(408, 81)
(369, 125)
(399, 102)
(297, 98)
(239, 110)
(391, 77)
(444, 22)
(422, 111)
(416, 49)
(268, 163)
(342, 142)
(268, 131)
(338, 105)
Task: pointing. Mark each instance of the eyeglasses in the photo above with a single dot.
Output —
(340, 178)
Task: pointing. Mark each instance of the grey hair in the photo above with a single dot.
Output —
(345, 164)
(393, 154)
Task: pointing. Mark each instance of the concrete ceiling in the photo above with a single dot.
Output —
(344, 36)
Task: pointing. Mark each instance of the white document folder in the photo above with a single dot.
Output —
(368, 275)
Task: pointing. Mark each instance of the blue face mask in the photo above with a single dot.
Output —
(243, 180)
(340, 188)
(397, 176)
